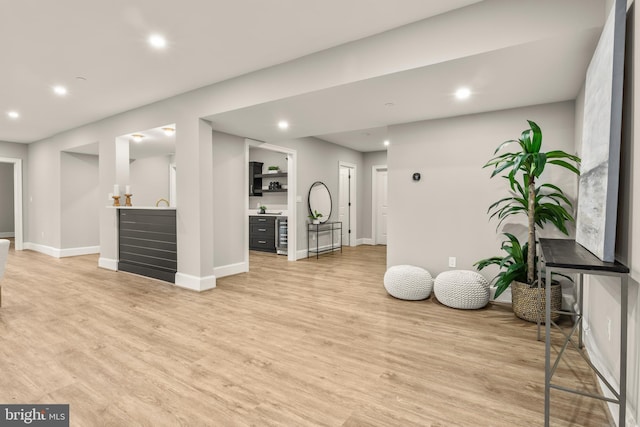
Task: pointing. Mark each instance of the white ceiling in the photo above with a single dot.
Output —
(44, 43)
(510, 53)
(154, 142)
(421, 94)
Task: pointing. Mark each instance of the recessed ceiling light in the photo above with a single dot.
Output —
(60, 90)
(169, 131)
(283, 124)
(386, 142)
(157, 41)
(13, 114)
(137, 137)
(463, 93)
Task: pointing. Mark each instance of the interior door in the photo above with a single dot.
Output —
(344, 204)
(381, 207)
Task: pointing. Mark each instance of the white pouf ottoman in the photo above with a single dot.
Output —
(408, 282)
(462, 289)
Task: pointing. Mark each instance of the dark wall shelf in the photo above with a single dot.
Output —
(271, 175)
(256, 176)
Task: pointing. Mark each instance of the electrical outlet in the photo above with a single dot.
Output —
(609, 328)
(452, 261)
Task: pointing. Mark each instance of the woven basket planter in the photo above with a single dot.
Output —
(529, 303)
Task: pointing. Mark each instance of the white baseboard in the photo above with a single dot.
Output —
(6, 234)
(87, 250)
(61, 253)
(43, 249)
(366, 241)
(195, 283)
(303, 253)
(598, 361)
(109, 264)
(231, 269)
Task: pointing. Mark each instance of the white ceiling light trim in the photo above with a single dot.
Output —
(13, 114)
(463, 93)
(283, 124)
(157, 41)
(60, 90)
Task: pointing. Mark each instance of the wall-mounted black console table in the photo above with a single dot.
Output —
(325, 227)
(567, 256)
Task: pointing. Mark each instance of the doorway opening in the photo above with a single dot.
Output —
(379, 204)
(347, 197)
(17, 201)
(277, 195)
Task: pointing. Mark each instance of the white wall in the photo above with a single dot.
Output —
(149, 180)
(370, 159)
(80, 201)
(6, 200)
(19, 151)
(602, 295)
(318, 160)
(229, 195)
(444, 214)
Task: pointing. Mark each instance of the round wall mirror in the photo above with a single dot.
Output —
(320, 200)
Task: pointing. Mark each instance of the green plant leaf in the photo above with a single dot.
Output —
(559, 154)
(537, 137)
(504, 144)
(539, 162)
(565, 165)
(525, 138)
(501, 167)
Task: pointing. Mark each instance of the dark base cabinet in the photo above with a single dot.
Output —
(262, 233)
(148, 243)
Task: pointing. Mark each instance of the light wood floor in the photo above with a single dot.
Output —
(315, 342)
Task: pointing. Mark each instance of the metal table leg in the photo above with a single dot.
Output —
(624, 302)
(547, 349)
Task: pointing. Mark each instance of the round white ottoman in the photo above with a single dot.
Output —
(408, 282)
(462, 289)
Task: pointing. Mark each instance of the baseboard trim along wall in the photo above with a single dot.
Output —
(87, 250)
(231, 269)
(596, 358)
(195, 283)
(365, 241)
(109, 264)
(7, 234)
(303, 253)
(43, 249)
(61, 253)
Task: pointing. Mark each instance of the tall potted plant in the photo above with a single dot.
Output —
(542, 204)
